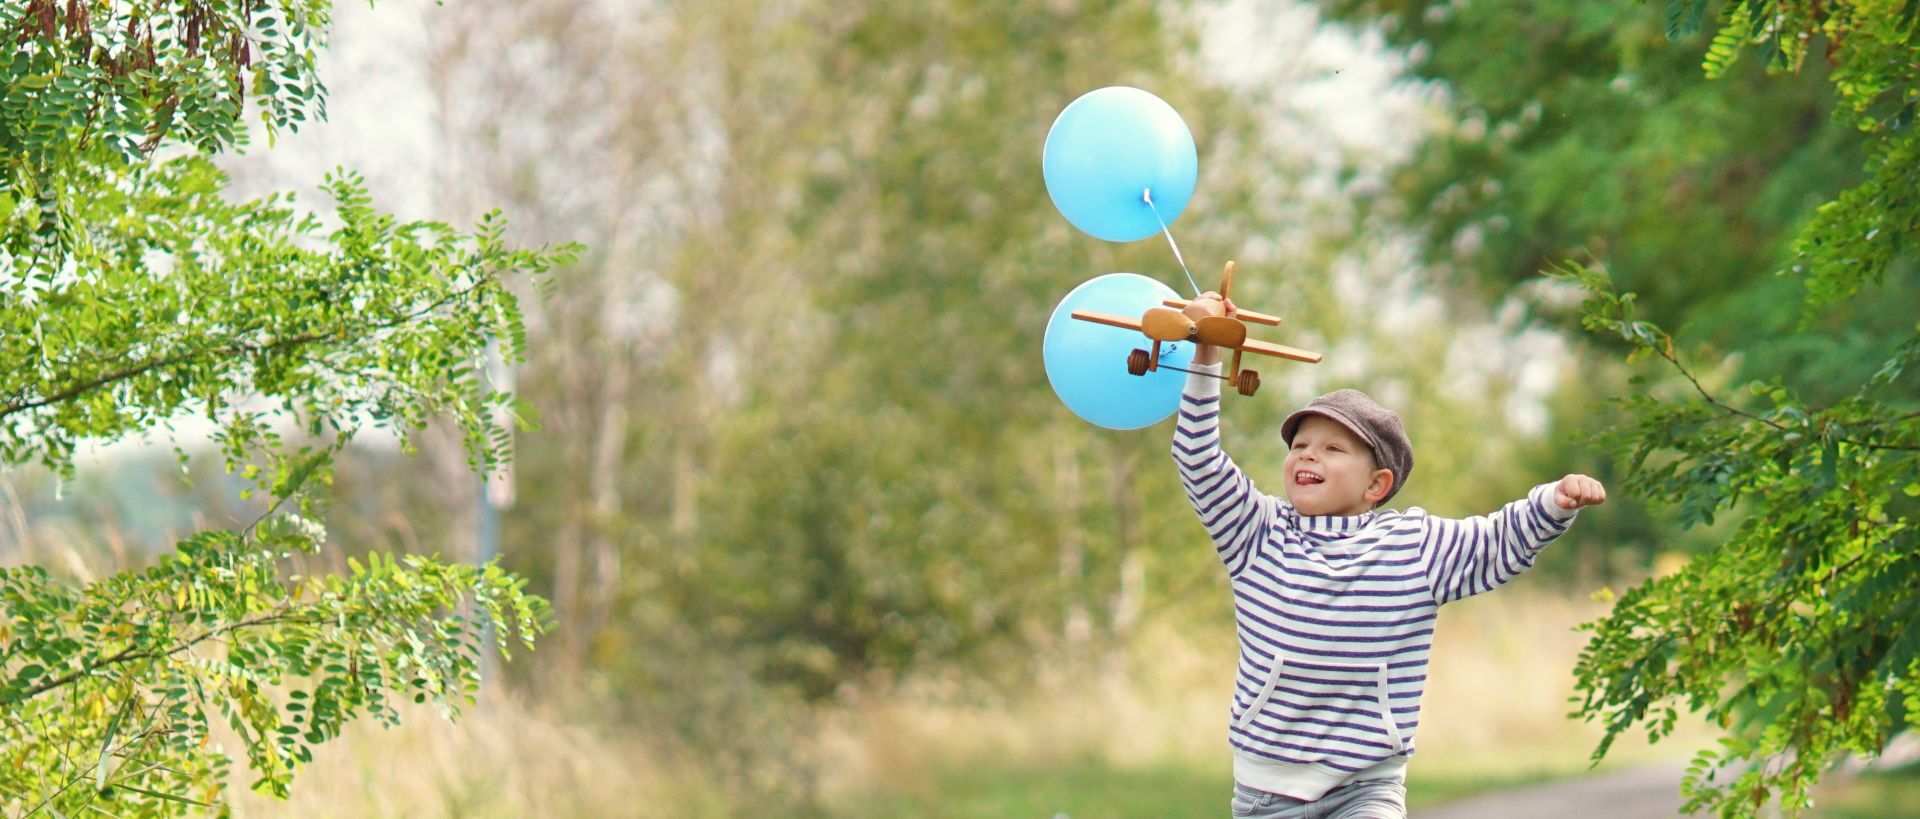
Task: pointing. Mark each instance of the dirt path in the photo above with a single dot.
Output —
(1651, 792)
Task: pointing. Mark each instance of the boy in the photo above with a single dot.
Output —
(1334, 601)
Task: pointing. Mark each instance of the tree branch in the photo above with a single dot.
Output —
(1666, 352)
(131, 655)
(138, 369)
(236, 348)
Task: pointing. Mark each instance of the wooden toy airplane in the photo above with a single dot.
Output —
(1168, 325)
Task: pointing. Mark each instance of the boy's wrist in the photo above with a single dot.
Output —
(1544, 496)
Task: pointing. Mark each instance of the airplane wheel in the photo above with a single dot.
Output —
(1249, 382)
(1137, 362)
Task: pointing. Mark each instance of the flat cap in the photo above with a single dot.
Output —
(1378, 426)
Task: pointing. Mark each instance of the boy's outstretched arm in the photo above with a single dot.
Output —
(1235, 513)
(1477, 554)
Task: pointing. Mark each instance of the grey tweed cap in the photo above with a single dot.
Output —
(1378, 426)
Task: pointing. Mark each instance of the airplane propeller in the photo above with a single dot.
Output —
(1162, 324)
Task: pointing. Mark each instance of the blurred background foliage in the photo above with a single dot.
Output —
(799, 483)
(1596, 137)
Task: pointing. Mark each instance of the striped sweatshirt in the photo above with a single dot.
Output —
(1335, 614)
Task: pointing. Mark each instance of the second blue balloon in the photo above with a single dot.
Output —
(1087, 363)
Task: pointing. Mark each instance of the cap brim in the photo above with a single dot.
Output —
(1292, 425)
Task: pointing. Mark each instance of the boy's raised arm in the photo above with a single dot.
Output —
(1473, 555)
(1234, 512)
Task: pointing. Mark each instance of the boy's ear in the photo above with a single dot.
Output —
(1378, 488)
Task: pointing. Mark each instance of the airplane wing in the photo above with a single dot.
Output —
(1122, 322)
(1250, 345)
(1279, 350)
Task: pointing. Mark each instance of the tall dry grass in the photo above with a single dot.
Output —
(505, 758)
(1495, 711)
(1501, 686)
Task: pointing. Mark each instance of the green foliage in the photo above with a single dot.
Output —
(1765, 207)
(1683, 17)
(1589, 135)
(178, 300)
(107, 84)
(113, 691)
(1736, 28)
(133, 293)
(1855, 240)
(1797, 632)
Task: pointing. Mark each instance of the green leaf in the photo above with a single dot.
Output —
(166, 796)
(1736, 28)
(1683, 17)
(106, 748)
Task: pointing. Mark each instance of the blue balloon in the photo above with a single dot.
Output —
(1087, 363)
(1106, 150)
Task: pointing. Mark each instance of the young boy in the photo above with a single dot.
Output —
(1334, 598)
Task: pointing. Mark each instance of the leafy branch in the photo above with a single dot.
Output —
(340, 333)
(1608, 311)
(400, 312)
(136, 654)
(332, 647)
(1794, 632)
(133, 289)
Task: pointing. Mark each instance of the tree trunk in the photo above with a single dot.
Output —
(1075, 626)
(609, 459)
(1125, 608)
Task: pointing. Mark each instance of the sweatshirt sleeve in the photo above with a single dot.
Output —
(1477, 554)
(1236, 515)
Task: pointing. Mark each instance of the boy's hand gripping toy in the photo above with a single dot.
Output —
(1169, 324)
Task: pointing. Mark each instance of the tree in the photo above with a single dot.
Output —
(1801, 632)
(1593, 138)
(1797, 630)
(133, 295)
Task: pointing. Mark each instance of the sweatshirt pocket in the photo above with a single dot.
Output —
(1341, 711)
(1380, 696)
(1265, 695)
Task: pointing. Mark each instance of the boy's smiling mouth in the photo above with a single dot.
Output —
(1305, 478)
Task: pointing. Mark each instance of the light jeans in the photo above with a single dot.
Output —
(1365, 799)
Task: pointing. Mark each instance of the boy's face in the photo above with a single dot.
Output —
(1330, 471)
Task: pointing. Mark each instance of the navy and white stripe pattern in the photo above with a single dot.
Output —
(1335, 614)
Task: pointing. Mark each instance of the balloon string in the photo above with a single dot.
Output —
(1147, 196)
